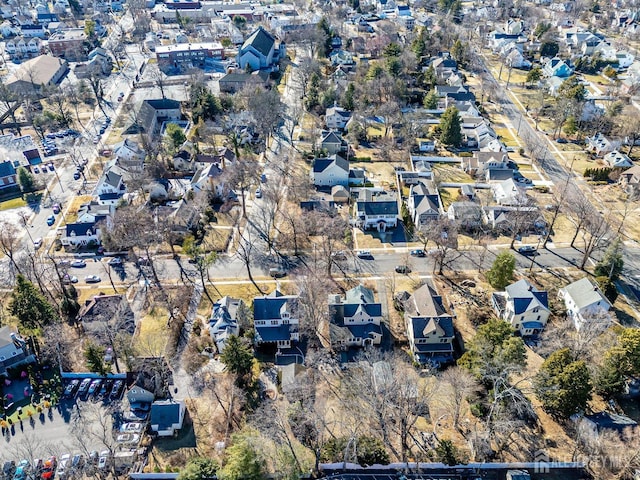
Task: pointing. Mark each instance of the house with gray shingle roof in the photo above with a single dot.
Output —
(429, 327)
(424, 205)
(332, 143)
(376, 210)
(330, 171)
(223, 321)
(586, 305)
(355, 320)
(167, 416)
(275, 319)
(257, 51)
(522, 305)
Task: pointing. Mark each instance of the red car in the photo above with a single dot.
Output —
(49, 468)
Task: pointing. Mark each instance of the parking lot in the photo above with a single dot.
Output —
(82, 432)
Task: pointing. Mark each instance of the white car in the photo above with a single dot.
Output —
(132, 427)
(78, 264)
(61, 472)
(103, 461)
(92, 279)
(37, 243)
(128, 438)
(364, 254)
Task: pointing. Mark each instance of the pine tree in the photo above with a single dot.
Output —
(94, 355)
(611, 264)
(238, 359)
(501, 273)
(430, 101)
(450, 127)
(30, 306)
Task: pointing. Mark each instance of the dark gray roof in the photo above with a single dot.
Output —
(378, 208)
(268, 334)
(261, 40)
(269, 306)
(523, 294)
(81, 229)
(165, 414)
(321, 164)
(332, 137)
(611, 421)
(7, 169)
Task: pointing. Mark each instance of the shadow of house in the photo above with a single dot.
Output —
(105, 316)
(152, 374)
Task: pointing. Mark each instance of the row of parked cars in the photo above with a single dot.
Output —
(67, 465)
(105, 388)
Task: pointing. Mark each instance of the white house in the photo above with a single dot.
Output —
(617, 159)
(223, 322)
(330, 171)
(586, 305)
(337, 118)
(110, 187)
(14, 350)
(258, 51)
(355, 319)
(509, 193)
(424, 205)
(275, 319)
(167, 417)
(522, 305)
(376, 210)
(601, 145)
(128, 151)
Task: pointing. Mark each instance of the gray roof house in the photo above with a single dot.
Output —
(424, 205)
(469, 215)
(586, 305)
(140, 398)
(275, 319)
(523, 306)
(376, 210)
(429, 327)
(355, 319)
(223, 322)
(330, 171)
(14, 351)
(152, 114)
(258, 51)
(333, 143)
(8, 175)
(166, 417)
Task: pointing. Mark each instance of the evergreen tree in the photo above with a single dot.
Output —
(447, 453)
(459, 52)
(609, 289)
(199, 468)
(501, 273)
(619, 362)
(451, 127)
(419, 44)
(534, 75)
(429, 79)
(348, 101)
(430, 101)
(563, 384)
(242, 459)
(176, 135)
(238, 359)
(29, 306)
(611, 264)
(94, 356)
(25, 180)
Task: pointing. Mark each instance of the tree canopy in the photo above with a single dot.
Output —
(176, 135)
(199, 468)
(563, 384)
(501, 273)
(94, 356)
(238, 359)
(451, 127)
(242, 459)
(611, 264)
(619, 362)
(369, 450)
(29, 306)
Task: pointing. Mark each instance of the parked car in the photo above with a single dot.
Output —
(76, 176)
(51, 219)
(79, 263)
(277, 272)
(8, 468)
(364, 254)
(258, 192)
(22, 470)
(418, 253)
(71, 388)
(51, 167)
(93, 457)
(104, 390)
(84, 386)
(404, 269)
(56, 208)
(132, 427)
(63, 465)
(116, 390)
(36, 170)
(528, 250)
(128, 438)
(340, 255)
(37, 243)
(115, 261)
(69, 279)
(95, 385)
(77, 462)
(104, 460)
(263, 178)
(96, 140)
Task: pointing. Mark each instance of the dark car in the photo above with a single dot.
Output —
(95, 386)
(71, 388)
(561, 140)
(51, 219)
(528, 250)
(116, 390)
(418, 253)
(84, 386)
(106, 386)
(76, 176)
(404, 269)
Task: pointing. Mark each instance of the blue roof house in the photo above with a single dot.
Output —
(275, 320)
(167, 417)
(556, 67)
(523, 306)
(355, 319)
(8, 176)
(429, 327)
(223, 322)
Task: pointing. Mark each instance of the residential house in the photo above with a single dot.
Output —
(481, 162)
(8, 175)
(129, 155)
(429, 327)
(444, 65)
(81, 234)
(556, 67)
(233, 82)
(189, 55)
(333, 143)
(152, 114)
(111, 187)
(102, 315)
(617, 159)
(586, 305)
(37, 73)
(340, 194)
(223, 322)
(466, 214)
(355, 320)
(523, 306)
(330, 171)
(357, 177)
(630, 179)
(166, 417)
(505, 219)
(30, 30)
(342, 58)
(424, 205)
(69, 44)
(514, 26)
(258, 52)
(596, 423)
(14, 350)
(376, 210)
(8, 29)
(99, 63)
(19, 47)
(516, 59)
(275, 320)
(337, 118)
(508, 192)
(601, 145)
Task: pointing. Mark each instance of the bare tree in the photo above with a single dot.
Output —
(10, 243)
(462, 385)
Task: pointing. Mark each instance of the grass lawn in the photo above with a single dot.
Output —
(13, 203)
(448, 196)
(364, 240)
(217, 238)
(151, 335)
(506, 136)
(72, 214)
(447, 173)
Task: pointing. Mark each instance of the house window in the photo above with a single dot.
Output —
(274, 322)
(538, 317)
(285, 321)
